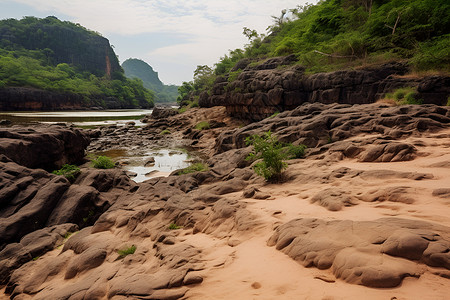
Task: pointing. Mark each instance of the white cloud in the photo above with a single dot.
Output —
(214, 26)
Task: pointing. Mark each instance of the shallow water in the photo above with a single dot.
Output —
(166, 161)
(79, 118)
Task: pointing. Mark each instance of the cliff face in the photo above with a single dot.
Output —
(261, 90)
(62, 42)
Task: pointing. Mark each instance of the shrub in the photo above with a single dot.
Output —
(403, 96)
(127, 251)
(71, 172)
(295, 151)
(202, 125)
(273, 153)
(197, 167)
(103, 162)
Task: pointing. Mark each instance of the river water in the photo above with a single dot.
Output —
(165, 160)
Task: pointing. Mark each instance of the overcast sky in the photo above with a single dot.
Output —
(173, 36)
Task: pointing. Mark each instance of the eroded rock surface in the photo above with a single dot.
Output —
(372, 253)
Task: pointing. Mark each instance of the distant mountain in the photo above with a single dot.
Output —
(136, 68)
(51, 64)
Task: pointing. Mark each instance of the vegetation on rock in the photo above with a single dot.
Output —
(103, 162)
(273, 153)
(403, 96)
(127, 251)
(202, 125)
(71, 172)
(197, 167)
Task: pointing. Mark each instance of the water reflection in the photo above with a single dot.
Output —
(80, 118)
(153, 163)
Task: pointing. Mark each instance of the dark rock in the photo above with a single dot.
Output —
(47, 147)
(263, 89)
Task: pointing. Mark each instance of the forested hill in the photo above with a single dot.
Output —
(53, 64)
(136, 68)
(333, 35)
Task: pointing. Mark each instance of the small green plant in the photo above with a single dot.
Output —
(182, 109)
(234, 75)
(165, 132)
(273, 153)
(294, 151)
(71, 172)
(197, 167)
(174, 226)
(194, 104)
(127, 251)
(448, 101)
(404, 96)
(36, 258)
(274, 115)
(202, 125)
(67, 235)
(103, 162)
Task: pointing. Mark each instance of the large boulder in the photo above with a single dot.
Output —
(43, 146)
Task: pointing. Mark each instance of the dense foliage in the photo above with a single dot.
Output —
(71, 172)
(63, 57)
(103, 162)
(337, 33)
(136, 68)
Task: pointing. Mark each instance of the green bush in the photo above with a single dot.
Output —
(273, 153)
(202, 125)
(71, 172)
(404, 96)
(103, 162)
(197, 167)
(127, 251)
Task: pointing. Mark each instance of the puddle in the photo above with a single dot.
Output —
(153, 163)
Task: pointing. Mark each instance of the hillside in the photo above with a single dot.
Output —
(343, 51)
(52, 64)
(136, 68)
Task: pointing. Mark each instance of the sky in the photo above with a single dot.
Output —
(173, 36)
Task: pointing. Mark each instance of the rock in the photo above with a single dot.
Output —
(89, 259)
(5, 122)
(333, 199)
(326, 127)
(263, 89)
(31, 246)
(392, 194)
(163, 113)
(353, 249)
(43, 146)
(442, 193)
(150, 162)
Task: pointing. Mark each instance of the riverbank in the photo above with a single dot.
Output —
(365, 213)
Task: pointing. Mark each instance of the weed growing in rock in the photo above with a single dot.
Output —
(273, 153)
(127, 251)
(71, 172)
(165, 131)
(174, 226)
(103, 162)
(197, 167)
(202, 125)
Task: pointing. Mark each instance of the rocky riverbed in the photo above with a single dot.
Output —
(364, 213)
